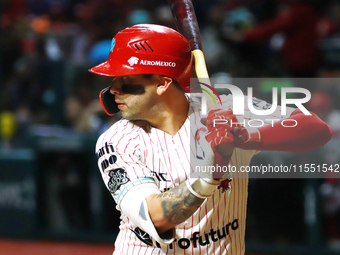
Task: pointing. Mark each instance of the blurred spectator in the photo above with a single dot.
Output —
(330, 190)
(321, 104)
(75, 114)
(138, 16)
(99, 51)
(74, 191)
(65, 199)
(243, 58)
(163, 16)
(7, 129)
(297, 21)
(82, 119)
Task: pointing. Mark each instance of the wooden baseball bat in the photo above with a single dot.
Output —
(186, 23)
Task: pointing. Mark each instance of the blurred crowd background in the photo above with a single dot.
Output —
(50, 115)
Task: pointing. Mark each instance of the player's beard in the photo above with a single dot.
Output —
(142, 109)
(130, 115)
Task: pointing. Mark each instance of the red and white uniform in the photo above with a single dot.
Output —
(130, 154)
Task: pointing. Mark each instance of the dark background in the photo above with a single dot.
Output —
(50, 118)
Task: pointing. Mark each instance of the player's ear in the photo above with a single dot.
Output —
(164, 83)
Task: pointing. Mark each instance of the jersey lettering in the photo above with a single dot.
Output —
(203, 240)
(161, 176)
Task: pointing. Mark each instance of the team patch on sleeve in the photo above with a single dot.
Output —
(118, 177)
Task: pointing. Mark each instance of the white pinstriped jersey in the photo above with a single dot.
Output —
(131, 154)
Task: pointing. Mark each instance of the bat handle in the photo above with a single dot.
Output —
(203, 76)
(200, 66)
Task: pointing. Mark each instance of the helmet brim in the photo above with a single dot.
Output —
(104, 69)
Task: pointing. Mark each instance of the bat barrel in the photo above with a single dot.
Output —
(186, 22)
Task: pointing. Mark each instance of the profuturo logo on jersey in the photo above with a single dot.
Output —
(198, 240)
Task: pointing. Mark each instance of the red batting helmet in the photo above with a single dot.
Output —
(147, 49)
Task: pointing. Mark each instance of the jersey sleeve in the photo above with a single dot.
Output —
(121, 160)
(249, 119)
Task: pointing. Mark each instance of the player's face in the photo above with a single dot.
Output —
(136, 96)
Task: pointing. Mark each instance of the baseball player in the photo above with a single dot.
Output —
(148, 158)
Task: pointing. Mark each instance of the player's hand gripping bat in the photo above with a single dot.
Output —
(186, 22)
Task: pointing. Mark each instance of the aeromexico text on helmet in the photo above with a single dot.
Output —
(135, 61)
